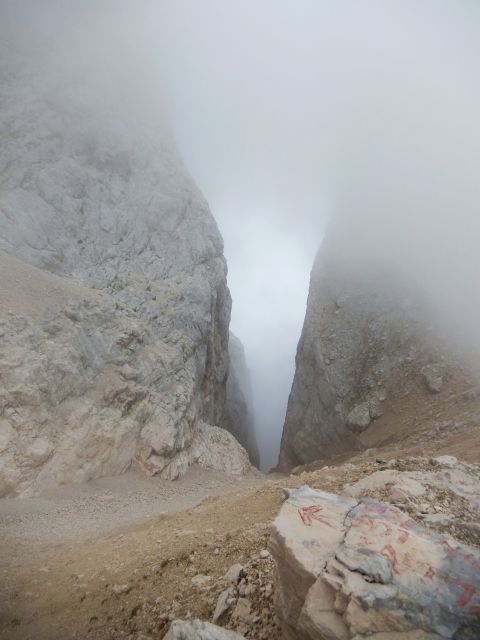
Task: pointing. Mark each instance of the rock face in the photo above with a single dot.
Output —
(357, 569)
(368, 352)
(239, 411)
(89, 379)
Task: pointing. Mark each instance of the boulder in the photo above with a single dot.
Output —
(433, 378)
(359, 417)
(351, 568)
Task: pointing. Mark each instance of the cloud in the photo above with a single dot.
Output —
(289, 112)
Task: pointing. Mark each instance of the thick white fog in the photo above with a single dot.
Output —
(288, 112)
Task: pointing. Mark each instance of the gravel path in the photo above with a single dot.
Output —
(80, 512)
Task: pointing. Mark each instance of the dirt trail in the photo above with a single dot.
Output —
(115, 558)
(76, 513)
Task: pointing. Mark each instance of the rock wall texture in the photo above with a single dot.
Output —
(363, 569)
(369, 354)
(239, 418)
(135, 368)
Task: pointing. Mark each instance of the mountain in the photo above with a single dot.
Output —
(239, 410)
(374, 363)
(127, 356)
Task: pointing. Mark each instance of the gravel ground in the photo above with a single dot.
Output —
(80, 512)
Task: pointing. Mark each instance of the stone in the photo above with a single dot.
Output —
(405, 483)
(223, 604)
(234, 573)
(301, 549)
(362, 568)
(433, 379)
(243, 612)
(200, 580)
(199, 630)
(264, 554)
(119, 589)
(359, 417)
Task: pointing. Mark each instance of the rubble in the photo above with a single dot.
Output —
(349, 568)
(199, 630)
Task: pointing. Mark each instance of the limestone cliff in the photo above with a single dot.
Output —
(372, 364)
(239, 418)
(91, 195)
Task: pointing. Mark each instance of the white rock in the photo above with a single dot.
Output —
(119, 589)
(348, 569)
(123, 357)
(359, 417)
(199, 630)
(234, 573)
(223, 604)
(200, 581)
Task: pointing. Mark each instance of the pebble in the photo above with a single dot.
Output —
(223, 604)
(118, 589)
(200, 580)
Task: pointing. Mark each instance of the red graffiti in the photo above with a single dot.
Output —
(407, 561)
(389, 552)
(469, 590)
(308, 514)
(361, 520)
(430, 573)
(446, 544)
(403, 537)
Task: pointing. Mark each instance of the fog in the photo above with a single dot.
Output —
(288, 114)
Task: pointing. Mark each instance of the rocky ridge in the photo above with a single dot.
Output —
(239, 410)
(136, 369)
(371, 364)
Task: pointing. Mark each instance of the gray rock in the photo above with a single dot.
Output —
(199, 630)
(359, 417)
(119, 589)
(224, 603)
(234, 573)
(124, 357)
(364, 569)
(433, 378)
(239, 419)
(200, 581)
(358, 359)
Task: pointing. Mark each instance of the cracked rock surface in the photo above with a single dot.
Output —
(350, 568)
(371, 359)
(125, 355)
(239, 407)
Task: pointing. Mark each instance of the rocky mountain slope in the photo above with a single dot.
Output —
(372, 363)
(239, 411)
(138, 368)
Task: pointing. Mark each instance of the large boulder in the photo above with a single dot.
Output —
(357, 569)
